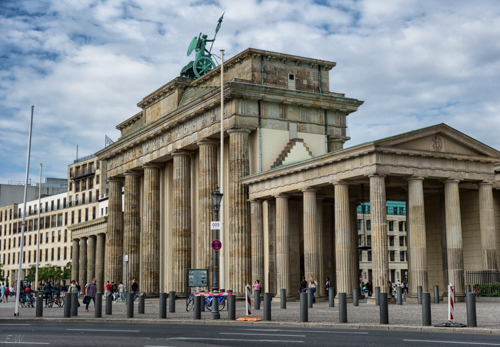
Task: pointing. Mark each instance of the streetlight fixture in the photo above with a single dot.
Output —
(216, 201)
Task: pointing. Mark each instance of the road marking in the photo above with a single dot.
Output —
(262, 334)
(456, 342)
(119, 331)
(241, 340)
(15, 324)
(26, 343)
(312, 331)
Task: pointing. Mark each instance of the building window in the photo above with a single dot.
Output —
(90, 196)
(84, 185)
(83, 198)
(86, 214)
(391, 256)
(401, 256)
(46, 255)
(65, 218)
(360, 256)
(93, 212)
(59, 236)
(58, 253)
(64, 202)
(65, 236)
(369, 255)
(52, 254)
(97, 179)
(98, 164)
(391, 225)
(401, 226)
(391, 240)
(402, 241)
(65, 253)
(72, 217)
(53, 236)
(97, 194)
(79, 216)
(369, 240)
(359, 224)
(368, 225)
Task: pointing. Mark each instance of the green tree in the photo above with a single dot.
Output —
(1, 273)
(67, 272)
(30, 277)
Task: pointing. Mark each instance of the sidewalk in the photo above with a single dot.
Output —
(407, 316)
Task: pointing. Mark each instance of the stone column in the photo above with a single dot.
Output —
(343, 239)
(240, 263)
(182, 220)
(75, 259)
(311, 237)
(282, 245)
(487, 226)
(114, 235)
(321, 291)
(207, 181)
(334, 144)
(91, 258)
(271, 219)
(132, 226)
(99, 262)
(454, 238)
(257, 232)
(150, 243)
(380, 259)
(82, 278)
(418, 241)
(353, 215)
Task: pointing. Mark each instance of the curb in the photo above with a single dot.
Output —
(485, 331)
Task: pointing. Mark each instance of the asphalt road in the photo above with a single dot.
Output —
(156, 335)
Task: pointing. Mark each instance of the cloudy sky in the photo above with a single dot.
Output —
(85, 64)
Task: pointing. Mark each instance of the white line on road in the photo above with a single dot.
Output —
(456, 342)
(262, 334)
(119, 331)
(15, 324)
(241, 340)
(312, 331)
(26, 343)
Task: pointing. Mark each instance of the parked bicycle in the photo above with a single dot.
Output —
(208, 302)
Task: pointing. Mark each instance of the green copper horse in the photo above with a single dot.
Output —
(203, 62)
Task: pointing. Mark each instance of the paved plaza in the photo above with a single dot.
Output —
(407, 316)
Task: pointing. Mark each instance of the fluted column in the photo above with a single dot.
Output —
(272, 276)
(257, 242)
(311, 237)
(282, 245)
(182, 220)
(353, 215)
(487, 226)
(91, 258)
(380, 259)
(114, 235)
(321, 291)
(240, 263)
(82, 278)
(343, 239)
(132, 226)
(418, 241)
(454, 238)
(99, 262)
(75, 260)
(207, 181)
(150, 243)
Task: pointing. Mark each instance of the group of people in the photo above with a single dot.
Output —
(111, 289)
(5, 291)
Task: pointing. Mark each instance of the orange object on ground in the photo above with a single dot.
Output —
(249, 319)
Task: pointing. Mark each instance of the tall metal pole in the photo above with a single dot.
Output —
(20, 259)
(221, 183)
(38, 232)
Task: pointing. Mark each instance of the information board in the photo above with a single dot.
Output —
(197, 277)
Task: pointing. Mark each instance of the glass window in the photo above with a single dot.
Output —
(391, 256)
(368, 225)
(402, 256)
(391, 240)
(391, 225)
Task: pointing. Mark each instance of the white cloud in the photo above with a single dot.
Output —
(85, 64)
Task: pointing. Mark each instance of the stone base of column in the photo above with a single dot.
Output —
(412, 298)
(371, 301)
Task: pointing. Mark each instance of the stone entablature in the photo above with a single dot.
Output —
(86, 229)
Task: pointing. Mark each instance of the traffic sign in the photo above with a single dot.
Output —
(125, 258)
(216, 245)
(215, 225)
(361, 279)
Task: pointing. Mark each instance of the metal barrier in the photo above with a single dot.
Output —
(74, 304)
(267, 306)
(163, 305)
(342, 308)
(171, 298)
(130, 305)
(109, 305)
(283, 299)
(256, 299)
(142, 302)
(426, 309)
(231, 307)
(355, 301)
(384, 308)
(67, 305)
(303, 307)
(98, 305)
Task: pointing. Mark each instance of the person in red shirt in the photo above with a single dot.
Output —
(107, 286)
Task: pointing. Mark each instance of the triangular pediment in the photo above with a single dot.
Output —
(295, 150)
(439, 138)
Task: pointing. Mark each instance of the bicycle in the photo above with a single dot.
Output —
(208, 302)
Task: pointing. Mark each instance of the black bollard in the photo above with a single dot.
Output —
(39, 305)
(384, 308)
(399, 296)
(142, 303)
(331, 297)
(468, 289)
(256, 299)
(342, 308)
(355, 301)
(310, 297)
(231, 307)
(426, 309)
(67, 305)
(171, 298)
(419, 295)
(377, 296)
(74, 304)
(436, 294)
(471, 310)
(303, 307)
(197, 307)
(109, 305)
(267, 306)
(98, 305)
(202, 304)
(283, 299)
(163, 305)
(130, 305)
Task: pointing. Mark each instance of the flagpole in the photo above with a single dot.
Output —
(20, 259)
(38, 229)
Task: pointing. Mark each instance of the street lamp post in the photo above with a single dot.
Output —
(216, 201)
(125, 259)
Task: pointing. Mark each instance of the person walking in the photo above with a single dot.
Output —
(90, 290)
(107, 287)
(369, 287)
(47, 290)
(328, 285)
(73, 288)
(303, 285)
(135, 288)
(312, 285)
(121, 291)
(2, 293)
(12, 291)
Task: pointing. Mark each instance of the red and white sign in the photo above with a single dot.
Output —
(361, 279)
(451, 303)
(216, 245)
(248, 291)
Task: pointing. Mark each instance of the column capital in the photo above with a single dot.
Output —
(151, 166)
(115, 179)
(485, 183)
(181, 152)
(238, 130)
(253, 200)
(207, 142)
(376, 175)
(83, 238)
(309, 190)
(132, 173)
(415, 178)
(451, 180)
(339, 182)
(281, 196)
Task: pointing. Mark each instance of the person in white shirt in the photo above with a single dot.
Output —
(312, 285)
(121, 290)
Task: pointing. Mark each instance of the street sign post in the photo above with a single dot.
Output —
(216, 245)
(215, 225)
